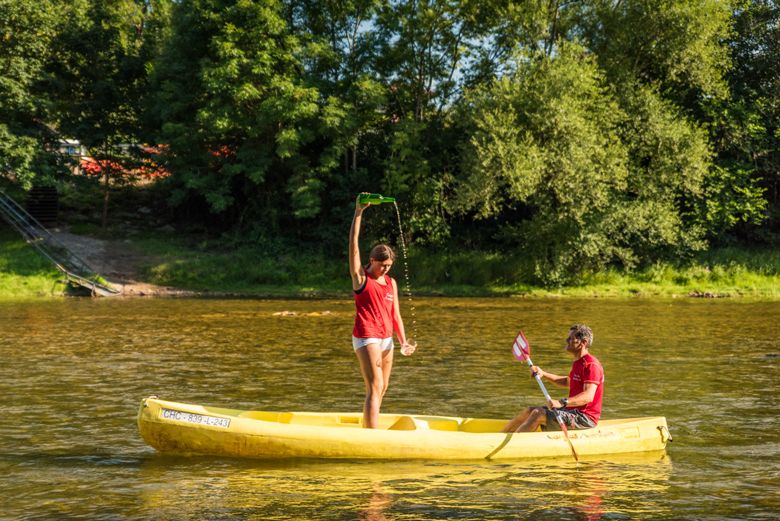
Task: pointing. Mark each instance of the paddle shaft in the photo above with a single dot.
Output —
(541, 385)
(549, 402)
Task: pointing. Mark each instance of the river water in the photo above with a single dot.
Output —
(73, 373)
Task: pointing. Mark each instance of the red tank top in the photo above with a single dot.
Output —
(374, 303)
(587, 370)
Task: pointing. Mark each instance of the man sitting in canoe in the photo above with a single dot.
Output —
(582, 408)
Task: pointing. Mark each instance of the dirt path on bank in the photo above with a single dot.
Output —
(119, 263)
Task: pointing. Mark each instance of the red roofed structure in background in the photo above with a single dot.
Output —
(146, 167)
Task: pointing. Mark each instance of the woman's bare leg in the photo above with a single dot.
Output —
(370, 358)
(387, 367)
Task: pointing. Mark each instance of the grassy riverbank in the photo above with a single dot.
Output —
(723, 273)
(23, 272)
(279, 270)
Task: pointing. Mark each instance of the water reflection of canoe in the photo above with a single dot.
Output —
(622, 486)
(184, 428)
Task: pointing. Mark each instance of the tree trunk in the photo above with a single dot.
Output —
(106, 177)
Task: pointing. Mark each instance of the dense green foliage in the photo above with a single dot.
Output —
(577, 136)
(27, 30)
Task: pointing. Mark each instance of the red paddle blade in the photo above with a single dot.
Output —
(521, 349)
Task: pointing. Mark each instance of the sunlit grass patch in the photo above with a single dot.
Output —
(250, 270)
(23, 272)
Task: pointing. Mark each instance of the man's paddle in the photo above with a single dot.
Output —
(522, 351)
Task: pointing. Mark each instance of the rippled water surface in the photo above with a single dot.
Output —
(73, 372)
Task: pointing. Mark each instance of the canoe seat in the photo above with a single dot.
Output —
(320, 419)
(411, 423)
(482, 425)
(438, 424)
(404, 423)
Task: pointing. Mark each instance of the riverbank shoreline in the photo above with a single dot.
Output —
(58, 289)
(163, 267)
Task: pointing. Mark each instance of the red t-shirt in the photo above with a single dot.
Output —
(374, 303)
(587, 370)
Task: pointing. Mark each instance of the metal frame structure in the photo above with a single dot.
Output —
(75, 269)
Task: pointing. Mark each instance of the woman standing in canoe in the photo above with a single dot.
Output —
(377, 317)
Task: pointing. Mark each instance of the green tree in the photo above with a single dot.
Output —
(670, 67)
(236, 114)
(339, 48)
(746, 127)
(544, 142)
(676, 46)
(26, 146)
(585, 176)
(99, 78)
(427, 52)
(670, 163)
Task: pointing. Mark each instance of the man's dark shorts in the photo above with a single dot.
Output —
(572, 418)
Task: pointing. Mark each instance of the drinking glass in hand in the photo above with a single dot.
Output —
(408, 348)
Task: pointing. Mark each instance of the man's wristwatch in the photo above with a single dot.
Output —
(564, 402)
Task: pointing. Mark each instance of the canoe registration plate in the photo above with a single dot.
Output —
(200, 419)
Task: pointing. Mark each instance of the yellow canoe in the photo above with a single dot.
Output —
(195, 429)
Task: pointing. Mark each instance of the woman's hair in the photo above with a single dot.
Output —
(382, 252)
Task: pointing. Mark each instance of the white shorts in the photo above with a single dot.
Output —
(385, 343)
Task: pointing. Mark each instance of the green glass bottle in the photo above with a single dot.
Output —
(375, 199)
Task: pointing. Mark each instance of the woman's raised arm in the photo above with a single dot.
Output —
(355, 266)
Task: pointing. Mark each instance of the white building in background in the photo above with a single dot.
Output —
(74, 150)
(71, 147)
